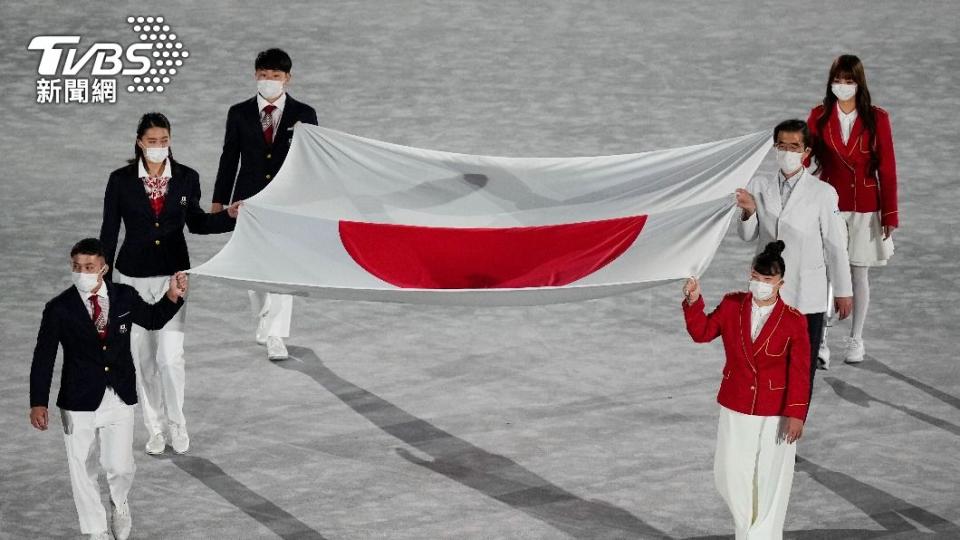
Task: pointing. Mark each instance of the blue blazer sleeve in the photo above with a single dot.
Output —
(44, 357)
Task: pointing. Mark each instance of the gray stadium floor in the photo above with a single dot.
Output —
(588, 420)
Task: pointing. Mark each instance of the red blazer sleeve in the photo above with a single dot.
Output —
(812, 129)
(812, 120)
(702, 327)
(798, 370)
(886, 169)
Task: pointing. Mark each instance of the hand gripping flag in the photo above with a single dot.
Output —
(359, 219)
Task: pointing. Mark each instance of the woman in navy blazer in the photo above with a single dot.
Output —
(155, 197)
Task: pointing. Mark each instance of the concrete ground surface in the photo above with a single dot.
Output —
(587, 420)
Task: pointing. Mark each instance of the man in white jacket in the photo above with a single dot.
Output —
(801, 210)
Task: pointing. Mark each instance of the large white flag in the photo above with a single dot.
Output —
(359, 219)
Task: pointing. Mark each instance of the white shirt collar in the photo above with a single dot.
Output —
(792, 181)
(279, 103)
(762, 309)
(848, 117)
(142, 171)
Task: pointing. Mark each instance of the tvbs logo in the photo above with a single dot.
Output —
(151, 63)
(107, 57)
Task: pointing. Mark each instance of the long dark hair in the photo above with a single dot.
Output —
(845, 66)
(848, 66)
(147, 121)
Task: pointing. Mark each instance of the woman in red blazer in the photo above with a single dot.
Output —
(853, 147)
(763, 396)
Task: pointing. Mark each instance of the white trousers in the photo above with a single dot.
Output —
(753, 470)
(273, 312)
(112, 425)
(158, 357)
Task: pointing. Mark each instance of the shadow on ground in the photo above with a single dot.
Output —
(493, 475)
(268, 514)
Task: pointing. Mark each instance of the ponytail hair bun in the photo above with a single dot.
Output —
(774, 248)
(770, 261)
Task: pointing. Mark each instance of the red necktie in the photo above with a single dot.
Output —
(99, 319)
(266, 121)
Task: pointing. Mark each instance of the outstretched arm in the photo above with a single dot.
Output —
(200, 222)
(155, 316)
(229, 161)
(701, 327)
(748, 224)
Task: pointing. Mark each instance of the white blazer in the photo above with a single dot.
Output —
(815, 236)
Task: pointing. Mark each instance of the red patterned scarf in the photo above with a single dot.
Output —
(156, 187)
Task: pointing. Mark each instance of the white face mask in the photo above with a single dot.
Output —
(269, 89)
(789, 162)
(843, 91)
(86, 283)
(156, 155)
(760, 290)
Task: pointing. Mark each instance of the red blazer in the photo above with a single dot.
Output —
(863, 171)
(768, 377)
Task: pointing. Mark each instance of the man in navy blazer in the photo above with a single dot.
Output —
(92, 320)
(258, 135)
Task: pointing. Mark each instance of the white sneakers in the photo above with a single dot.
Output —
(261, 335)
(276, 350)
(855, 351)
(853, 354)
(120, 521)
(156, 444)
(179, 439)
(99, 536)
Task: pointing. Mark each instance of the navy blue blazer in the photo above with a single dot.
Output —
(243, 143)
(90, 365)
(152, 245)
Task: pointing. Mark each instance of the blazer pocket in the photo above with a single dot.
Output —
(123, 315)
(777, 385)
(771, 347)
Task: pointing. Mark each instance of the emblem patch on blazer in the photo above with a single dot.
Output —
(183, 201)
(123, 328)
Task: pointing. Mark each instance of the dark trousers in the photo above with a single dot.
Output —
(815, 322)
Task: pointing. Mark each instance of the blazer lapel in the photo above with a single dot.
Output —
(113, 312)
(772, 196)
(796, 196)
(769, 326)
(745, 326)
(79, 307)
(773, 204)
(287, 119)
(856, 131)
(174, 191)
(835, 135)
(253, 115)
(139, 191)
